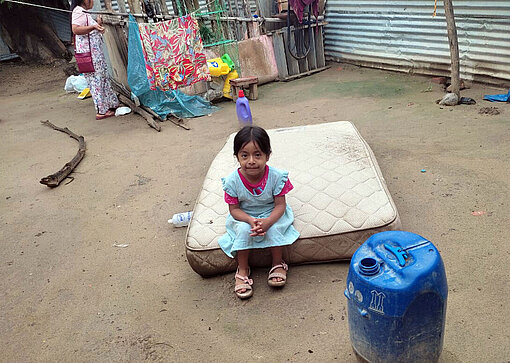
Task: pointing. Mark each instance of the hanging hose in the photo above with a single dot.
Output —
(301, 47)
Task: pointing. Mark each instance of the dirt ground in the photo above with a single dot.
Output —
(68, 295)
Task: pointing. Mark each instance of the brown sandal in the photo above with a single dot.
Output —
(106, 115)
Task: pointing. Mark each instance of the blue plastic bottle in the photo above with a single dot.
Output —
(243, 110)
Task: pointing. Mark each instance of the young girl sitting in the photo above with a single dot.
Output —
(259, 216)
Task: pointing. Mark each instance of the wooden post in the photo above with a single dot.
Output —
(108, 5)
(164, 8)
(454, 46)
(134, 7)
(122, 6)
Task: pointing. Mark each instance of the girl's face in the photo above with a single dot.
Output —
(253, 161)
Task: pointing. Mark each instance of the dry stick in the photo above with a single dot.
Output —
(146, 115)
(54, 180)
(145, 112)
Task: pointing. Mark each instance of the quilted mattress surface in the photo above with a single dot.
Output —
(339, 197)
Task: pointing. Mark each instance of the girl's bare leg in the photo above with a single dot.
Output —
(277, 253)
(243, 266)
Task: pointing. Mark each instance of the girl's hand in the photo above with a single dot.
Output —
(262, 225)
(255, 229)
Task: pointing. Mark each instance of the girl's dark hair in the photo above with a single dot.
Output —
(255, 134)
(75, 3)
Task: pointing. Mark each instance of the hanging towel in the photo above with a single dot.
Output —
(298, 6)
(173, 53)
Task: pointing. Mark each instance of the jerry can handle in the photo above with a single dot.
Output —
(399, 253)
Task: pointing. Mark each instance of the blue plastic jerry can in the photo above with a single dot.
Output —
(397, 292)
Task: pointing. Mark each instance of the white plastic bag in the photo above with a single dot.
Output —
(121, 111)
(75, 84)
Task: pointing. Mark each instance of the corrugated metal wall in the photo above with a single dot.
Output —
(403, 35)
(59, 21)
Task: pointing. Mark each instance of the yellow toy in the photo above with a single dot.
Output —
(226, 86)
(217, 67)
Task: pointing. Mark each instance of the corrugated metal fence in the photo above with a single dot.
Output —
(403, 35)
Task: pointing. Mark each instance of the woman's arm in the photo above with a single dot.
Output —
(85, 29)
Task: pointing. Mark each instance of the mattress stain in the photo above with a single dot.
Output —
(348, 148)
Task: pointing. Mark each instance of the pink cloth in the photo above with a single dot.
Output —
(298, 6)
(80, 18)
(258, 188)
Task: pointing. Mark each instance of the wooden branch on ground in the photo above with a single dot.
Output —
(54, 180)
(173, 119)
(145, 111)
(146, 115)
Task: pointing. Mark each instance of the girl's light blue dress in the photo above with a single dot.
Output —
(238, 237)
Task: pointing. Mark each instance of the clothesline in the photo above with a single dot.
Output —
(100, 12)
(258, 19)
(205, 6)
(37, 6)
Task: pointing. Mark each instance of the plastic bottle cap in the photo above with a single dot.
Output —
(241, 93)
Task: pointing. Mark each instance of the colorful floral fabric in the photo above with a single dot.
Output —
(173, 53)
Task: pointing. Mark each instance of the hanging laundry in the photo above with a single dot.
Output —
(173, 53)
(298, 6)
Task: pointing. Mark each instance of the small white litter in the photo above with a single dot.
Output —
(121, 111)
(120, 245)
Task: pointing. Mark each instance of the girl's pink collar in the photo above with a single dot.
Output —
(246, 182)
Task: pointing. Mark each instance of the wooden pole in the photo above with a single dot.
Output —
(454, 46)
(108, 5)
(134, 6)
(164, 8)
(122, 6)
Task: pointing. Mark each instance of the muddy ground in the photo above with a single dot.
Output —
(66, 294)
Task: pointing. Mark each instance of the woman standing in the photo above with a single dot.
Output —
(89, 38)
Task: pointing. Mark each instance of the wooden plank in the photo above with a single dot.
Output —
(303, 63)
(279, 53)
(312, 57)
(108, 5)
(135, 8)
(290, 78)
(122, 6)
(292, 63)
(163, 7)
(319, 48)
(118, 58)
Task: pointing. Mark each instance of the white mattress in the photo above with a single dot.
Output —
(339, 197)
